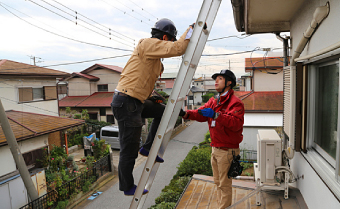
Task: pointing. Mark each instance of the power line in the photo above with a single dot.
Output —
(93, 21)
(72, 39)
(124, 12)
(206, 55)
(144, 9)
(236, 36)
(134, 10)
(72, 20)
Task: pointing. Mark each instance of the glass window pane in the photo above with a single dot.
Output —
(38, 93)
(327, 108)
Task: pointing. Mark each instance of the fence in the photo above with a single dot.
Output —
(248, 155)
(74, 186)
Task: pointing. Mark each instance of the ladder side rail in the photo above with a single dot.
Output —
(172, 110)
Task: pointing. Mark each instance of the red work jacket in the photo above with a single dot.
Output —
(228, 125)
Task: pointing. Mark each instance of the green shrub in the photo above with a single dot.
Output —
(196, 162)
(62, 204)
(164, 205)
(177, 184)
(207, 96)
(168, 196)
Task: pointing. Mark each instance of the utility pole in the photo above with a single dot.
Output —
(33, 58)
(229, 64)
(19, 160)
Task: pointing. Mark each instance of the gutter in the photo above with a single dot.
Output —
(319, 15)
(238, 12)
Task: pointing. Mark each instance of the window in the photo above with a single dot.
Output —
(34, 157)
(191, 97)
(103, 88)
(327, 108)
(102, 111)
(110, 133)
(28, 94)
(93, 116)
(110, 119)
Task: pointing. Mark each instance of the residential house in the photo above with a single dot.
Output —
(263, 110)
(29, 88)
(245, 82)
(168, 81)
(267, 71)
(33, 133)
(311, 88)
(29, 96)
(194, 97)
(92, 89)
(204, 83)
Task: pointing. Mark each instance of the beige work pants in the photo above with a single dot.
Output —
(220, 163)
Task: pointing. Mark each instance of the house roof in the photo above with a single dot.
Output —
(260, 62)
(27, 125)
(71, 101)
(8, 67)
(101, 66)
(97, 99)
(195, 89)
(262, 101)
(86, 76)
(169, 75)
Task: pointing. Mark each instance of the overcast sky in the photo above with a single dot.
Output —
(52, 30)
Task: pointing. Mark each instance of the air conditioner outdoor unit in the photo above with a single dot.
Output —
(270, 173)
(269, 154)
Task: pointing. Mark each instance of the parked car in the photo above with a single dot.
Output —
(111, 135)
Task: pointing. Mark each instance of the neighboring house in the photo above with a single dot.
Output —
(263, 110)
(245, 83)
(98, 105)
(33, 132)
(204, 83)
(29, 88)
(266, 74)
(311, 88)
(97, 78)
(92, 89)
(168, 81)
(194, 97)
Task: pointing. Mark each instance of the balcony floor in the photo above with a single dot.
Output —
(201, 194)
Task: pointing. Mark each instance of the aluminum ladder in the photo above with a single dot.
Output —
(186, 72)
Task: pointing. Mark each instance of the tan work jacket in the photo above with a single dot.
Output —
(139, 75)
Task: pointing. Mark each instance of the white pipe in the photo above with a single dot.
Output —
(319, 15)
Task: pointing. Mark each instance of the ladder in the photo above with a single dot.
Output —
(186, 72)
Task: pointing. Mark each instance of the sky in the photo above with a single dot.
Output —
(60, 32)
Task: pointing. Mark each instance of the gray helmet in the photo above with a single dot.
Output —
(226, 74)
(167, 26)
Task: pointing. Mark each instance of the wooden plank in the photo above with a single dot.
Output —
(187, 194)
(206, 196)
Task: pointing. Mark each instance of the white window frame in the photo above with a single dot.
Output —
(324, 165)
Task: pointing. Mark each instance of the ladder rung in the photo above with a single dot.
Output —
(167, 131)
(178, 100)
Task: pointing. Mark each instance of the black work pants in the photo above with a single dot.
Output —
(129, 112)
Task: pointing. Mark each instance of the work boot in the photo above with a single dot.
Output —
(145, 153)
(132, 191)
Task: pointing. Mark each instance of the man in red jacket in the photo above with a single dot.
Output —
(224, 115)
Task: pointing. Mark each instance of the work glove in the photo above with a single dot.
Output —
(182, 113)
(156, 99)
(207, 112)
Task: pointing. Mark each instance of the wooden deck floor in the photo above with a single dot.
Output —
(201, 194)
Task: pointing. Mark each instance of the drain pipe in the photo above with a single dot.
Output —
(319, 15)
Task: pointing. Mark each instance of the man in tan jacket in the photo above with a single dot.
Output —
(130, 104)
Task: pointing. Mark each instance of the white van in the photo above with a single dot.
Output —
(111, 136)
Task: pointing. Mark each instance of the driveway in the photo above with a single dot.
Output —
(175, 153)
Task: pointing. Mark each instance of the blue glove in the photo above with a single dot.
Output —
(207, 112)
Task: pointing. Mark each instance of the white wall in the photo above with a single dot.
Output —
(268, 82)
(78, 87)
(106, 77)
(7, 163)
(315, 192)
(10, 95)
(263, 119)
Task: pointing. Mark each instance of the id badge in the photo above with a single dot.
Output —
(213, 123)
